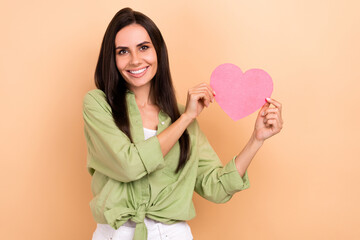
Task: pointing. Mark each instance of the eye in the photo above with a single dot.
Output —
(143, 48)
(122, 52)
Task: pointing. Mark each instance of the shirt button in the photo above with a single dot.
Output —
(162, 123)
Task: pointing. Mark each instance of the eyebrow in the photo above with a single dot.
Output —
(144, 42)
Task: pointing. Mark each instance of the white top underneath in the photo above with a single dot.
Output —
(148, 133)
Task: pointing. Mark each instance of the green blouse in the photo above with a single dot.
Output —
(134, 180)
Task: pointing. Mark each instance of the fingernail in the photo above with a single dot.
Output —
(268, 99)
(214, 93)
(263, 114)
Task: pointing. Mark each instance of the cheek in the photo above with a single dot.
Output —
(153, 60)
(151, 57)
(120, 63)
(154, 65)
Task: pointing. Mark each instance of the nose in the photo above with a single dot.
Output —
(135, 59)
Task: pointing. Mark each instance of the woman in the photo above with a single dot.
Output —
(146, 154)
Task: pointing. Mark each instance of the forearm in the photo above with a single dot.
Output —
(171, 135)
(244, 158)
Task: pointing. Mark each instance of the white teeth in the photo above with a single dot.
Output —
(138, 71)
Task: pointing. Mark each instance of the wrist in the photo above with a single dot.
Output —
(255, 141)
(186, 118)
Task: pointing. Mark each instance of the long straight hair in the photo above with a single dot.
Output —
(110, 81)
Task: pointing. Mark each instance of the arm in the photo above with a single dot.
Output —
(197, 98)
(215, 182)
(110, 150)
(244, 158)
(268, 123)
(171, 134)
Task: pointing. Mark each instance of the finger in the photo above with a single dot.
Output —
(270, 123)
(273, 110)
(201, 95)
(207, 97)
(210, 90)
(274, 123)
(274, 102)
(277, 104)
(277, 113)
(269, 120)
(271, 116)
(203, 84)
(263, 109)
(275, 117)
(208, 87)
(211, 93)
(200, 89)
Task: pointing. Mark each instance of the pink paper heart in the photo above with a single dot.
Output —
(240, 94)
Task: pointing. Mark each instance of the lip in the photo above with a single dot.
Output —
(138, 75)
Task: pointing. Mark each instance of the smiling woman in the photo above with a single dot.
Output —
(146, 153)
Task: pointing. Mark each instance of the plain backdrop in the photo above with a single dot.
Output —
(304, 181)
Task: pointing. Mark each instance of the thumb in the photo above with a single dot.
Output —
(263, 109)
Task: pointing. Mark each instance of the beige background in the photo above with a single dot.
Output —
(304, 181)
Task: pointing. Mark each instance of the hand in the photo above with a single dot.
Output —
(198, 97)
(269, 121)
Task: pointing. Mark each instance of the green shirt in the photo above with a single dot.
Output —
(134, 180)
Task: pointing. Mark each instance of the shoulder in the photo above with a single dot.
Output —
(95, 94)
(96, 98)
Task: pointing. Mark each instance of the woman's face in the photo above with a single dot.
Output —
(136, 57)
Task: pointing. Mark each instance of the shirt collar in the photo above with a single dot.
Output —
(136, 126)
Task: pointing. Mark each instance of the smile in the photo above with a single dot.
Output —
(137, 71)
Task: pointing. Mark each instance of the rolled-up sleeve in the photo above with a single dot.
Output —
(111, 152)
(215, 182)
(231, 179)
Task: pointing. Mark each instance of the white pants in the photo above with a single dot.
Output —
(156, 231)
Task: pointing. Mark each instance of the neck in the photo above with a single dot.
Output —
(143, 96)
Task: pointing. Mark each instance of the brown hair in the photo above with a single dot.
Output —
(110, 81)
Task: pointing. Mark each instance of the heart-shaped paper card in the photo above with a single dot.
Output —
(240, 94)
